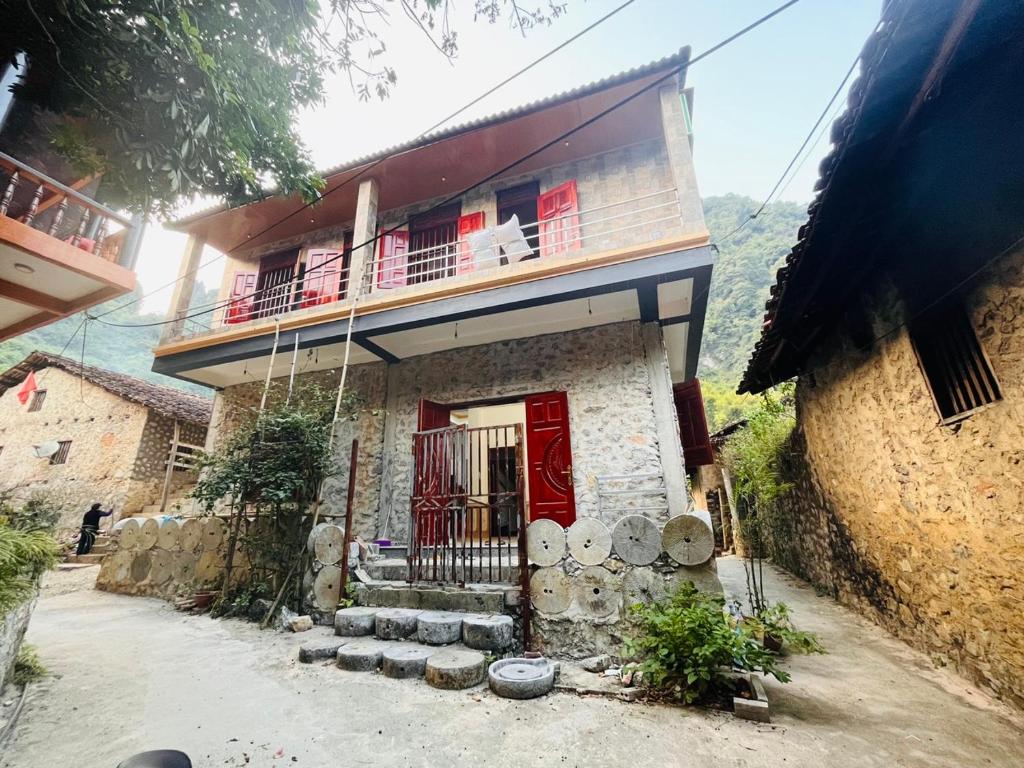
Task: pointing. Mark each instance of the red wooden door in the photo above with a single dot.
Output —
(243, 286)
(549, 458)
(693, 425)
(471, 222)
(393, 265)
(433, 415)
(322, 281)
(434, 461)
(559, 227)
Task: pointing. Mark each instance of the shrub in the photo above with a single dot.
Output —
(687, 645)
(775, 622)
(24, 556)
(27, 667)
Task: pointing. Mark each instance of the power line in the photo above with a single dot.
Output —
(796, 156)
(600, 115)
(377, 162)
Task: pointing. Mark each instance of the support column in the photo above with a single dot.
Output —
(680, 158)
(183, 289)
(389, 518)
(364, 231)
(670, 446)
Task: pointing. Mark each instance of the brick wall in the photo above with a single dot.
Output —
(917, 525)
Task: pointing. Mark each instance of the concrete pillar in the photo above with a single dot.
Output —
(216, 415)
(388, 513)
(364, 231)
(183, 288)
(680, 158)
(666, 419)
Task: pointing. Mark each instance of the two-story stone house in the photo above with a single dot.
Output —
(544, 313)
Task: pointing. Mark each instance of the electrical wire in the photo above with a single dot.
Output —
(493, 89)
(590, 121)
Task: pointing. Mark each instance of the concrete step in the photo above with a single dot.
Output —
(397, 569)
(483, 632)
(471, 598)
(90, 559)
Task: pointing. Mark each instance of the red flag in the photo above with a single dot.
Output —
(27, 388)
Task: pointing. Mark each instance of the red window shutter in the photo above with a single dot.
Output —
(693, 425)
(243, 286)
(559, 228)
(322, 281)
(433, 415)
(393, 265)
(471, 222)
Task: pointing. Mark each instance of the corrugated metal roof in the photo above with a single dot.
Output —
(677, 59)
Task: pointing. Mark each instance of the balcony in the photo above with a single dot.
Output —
(420, 266)
(62, 251)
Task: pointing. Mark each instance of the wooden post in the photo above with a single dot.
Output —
(524, 566)
(172, 457)
(352, 464)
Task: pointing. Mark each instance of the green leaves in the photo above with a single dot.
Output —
(24, 556)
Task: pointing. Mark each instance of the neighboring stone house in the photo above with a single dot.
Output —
(901, 313)
(113, 434)
(546, 351)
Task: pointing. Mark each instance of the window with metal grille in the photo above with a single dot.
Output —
(38, 398)
(432, 244)
(955, 366)
(61, 456)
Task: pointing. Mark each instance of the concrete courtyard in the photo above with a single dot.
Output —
(132, 674)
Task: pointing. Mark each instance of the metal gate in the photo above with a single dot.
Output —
(468, 521)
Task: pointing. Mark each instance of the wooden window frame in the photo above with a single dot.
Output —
(61, 456)
(36, 403)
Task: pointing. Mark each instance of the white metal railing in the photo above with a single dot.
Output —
(616, 224)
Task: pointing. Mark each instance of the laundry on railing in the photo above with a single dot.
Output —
(488, 245)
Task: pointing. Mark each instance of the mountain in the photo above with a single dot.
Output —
(125, 350)
(745, 270)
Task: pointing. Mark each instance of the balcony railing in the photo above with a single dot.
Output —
(619, 224)
(61, 212)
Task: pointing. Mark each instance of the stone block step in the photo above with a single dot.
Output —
(357, 621)
(398, 551)
(397, 569)
(454, 669)
(468, 599)
(90, 559)
(406, 662)
(485, 632)
(396, 623)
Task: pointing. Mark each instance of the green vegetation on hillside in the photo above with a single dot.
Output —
(739, 288)
(125, 350)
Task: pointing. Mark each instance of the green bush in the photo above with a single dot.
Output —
(24, 556)
(27, 667)
(687, 645)
(39, 513)
(775, 622)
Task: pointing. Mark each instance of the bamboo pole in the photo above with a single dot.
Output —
(172, 457)
(352, 465)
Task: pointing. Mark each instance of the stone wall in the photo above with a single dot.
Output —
(917, 525)
(104, 431)
(12, 632)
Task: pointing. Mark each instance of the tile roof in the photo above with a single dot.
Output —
(166, 401)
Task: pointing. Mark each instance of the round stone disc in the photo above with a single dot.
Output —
(329, 544)
(191, 534)
(688, 540)
(327, 588)
(590, 543)
(214, 533)
(210, 567)
(120, 567)
(129, 534)
(644, 585)
(169, 536)
(148, 532)
(311, 539)
(550, 590)
(596, 592)
(184, 568)
(161, 566)
(545, 542)
(637, 540)
(140, 567)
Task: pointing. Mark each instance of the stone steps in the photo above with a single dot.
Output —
(472, 598)
(90, 559)
(397, 569)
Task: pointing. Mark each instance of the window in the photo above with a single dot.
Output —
(958, 373)
(274, 287)
(61, 456)
(521, 201)
(432, 248)
(38, 398)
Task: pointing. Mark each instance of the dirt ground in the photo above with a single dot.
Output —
(132, 674)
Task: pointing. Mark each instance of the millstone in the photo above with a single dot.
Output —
(487, 633)
(140, 567)
(214, 533)
(355, 622)
(329, 544)
(688, 540)
(311, 539)
(360, 656)
(596, 592)
(521, 678)
(455, 669)
(320, 649)
(148, 532)
(327, 588)
(161, 566)
(117, 568)
(169, 536)
(396, 623)
(210, 567)
(550, 590)
(644, 585)
(545, 542)
(590, 543)
(637, 540)
(439, 627)
(406, 662)
(129, 538)
(184, 568)
(191, 534)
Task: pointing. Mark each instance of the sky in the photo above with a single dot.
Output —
(754, 101)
